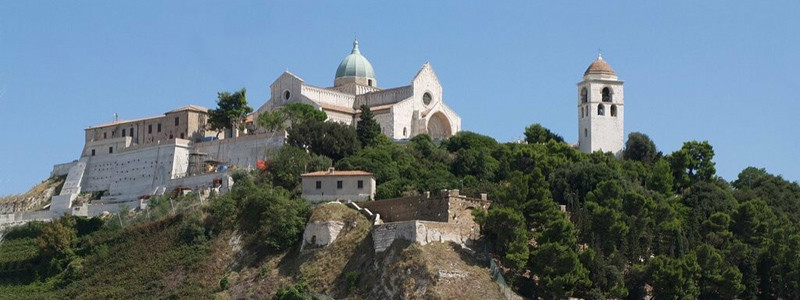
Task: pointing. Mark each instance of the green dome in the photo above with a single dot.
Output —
(355, 65)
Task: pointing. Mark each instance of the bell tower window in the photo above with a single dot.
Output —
(606, 94)
(584, 95)
(601, 110)
(613, 110)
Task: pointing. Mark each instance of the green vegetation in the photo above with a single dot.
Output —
(563, 224)
(230, 113)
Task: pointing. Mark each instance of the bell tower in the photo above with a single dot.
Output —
(601, 110)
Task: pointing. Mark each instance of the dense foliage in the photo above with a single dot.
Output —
(562, 224)
(594, 226)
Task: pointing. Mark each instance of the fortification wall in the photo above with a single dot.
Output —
(62, 169)
(243, 151)
(422, 232)
(410, 208)
(136, 172)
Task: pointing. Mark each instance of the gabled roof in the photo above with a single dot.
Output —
(191, 108)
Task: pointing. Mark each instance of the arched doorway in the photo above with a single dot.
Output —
(439, 126)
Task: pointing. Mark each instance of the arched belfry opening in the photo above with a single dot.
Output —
(613, 110)
(439, 126)
(601, 110)
(606, 94)
(584, 95)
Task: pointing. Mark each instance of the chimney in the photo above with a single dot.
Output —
(484, 196)
(330, 170)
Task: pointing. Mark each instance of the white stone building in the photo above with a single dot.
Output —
(601, 110)
(402, 112)
(356, 186)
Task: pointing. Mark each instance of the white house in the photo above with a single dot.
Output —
(332, 185)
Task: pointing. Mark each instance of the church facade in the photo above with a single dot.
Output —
(402, 112)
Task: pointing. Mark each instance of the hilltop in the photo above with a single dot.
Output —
(562, 224)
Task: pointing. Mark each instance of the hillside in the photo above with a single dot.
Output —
(562, 224)
(151, 260)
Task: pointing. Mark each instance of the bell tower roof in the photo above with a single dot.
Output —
(599, 67)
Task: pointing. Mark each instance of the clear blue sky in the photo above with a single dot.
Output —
(722, 71)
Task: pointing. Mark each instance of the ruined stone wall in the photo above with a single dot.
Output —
(450, 207)
(410, 208)
(423, 232)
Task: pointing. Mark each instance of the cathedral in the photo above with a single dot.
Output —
(402, 112)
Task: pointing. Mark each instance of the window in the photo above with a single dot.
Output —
(584, 95)
(405, 132)
(123, 132)
(177, 121)
(339, 184)
(585, 132)
(606, 95)
(105, 135)
(170, 136)
(92, 152)
(360, 184)
(369, 82)
(110, 149)
(601, 110)
(613, 110)
(150, 128)
(583, 111)
(286, 95)
(131, 131)
(319, 184)
(426, 98)
(158, 127)
(181, 135)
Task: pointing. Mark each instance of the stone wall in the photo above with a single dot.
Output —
(320, 234)
(422, 232)
(243, 151)
(410, 208)
(450, 206)
(62, 169)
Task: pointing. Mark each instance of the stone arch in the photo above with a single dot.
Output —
(439, 126)
(584, 95)
(607, 95)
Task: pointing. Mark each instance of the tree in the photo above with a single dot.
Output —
(230, 113)
(274, 120)
(505, 228)
(692, 163)
(718, 279)
(57, 238)
(673, 278)
(640, 147)
(293, 113)
(331, 139)
(660, 178)
(536, 134)
(301, 112)
(368, 129)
